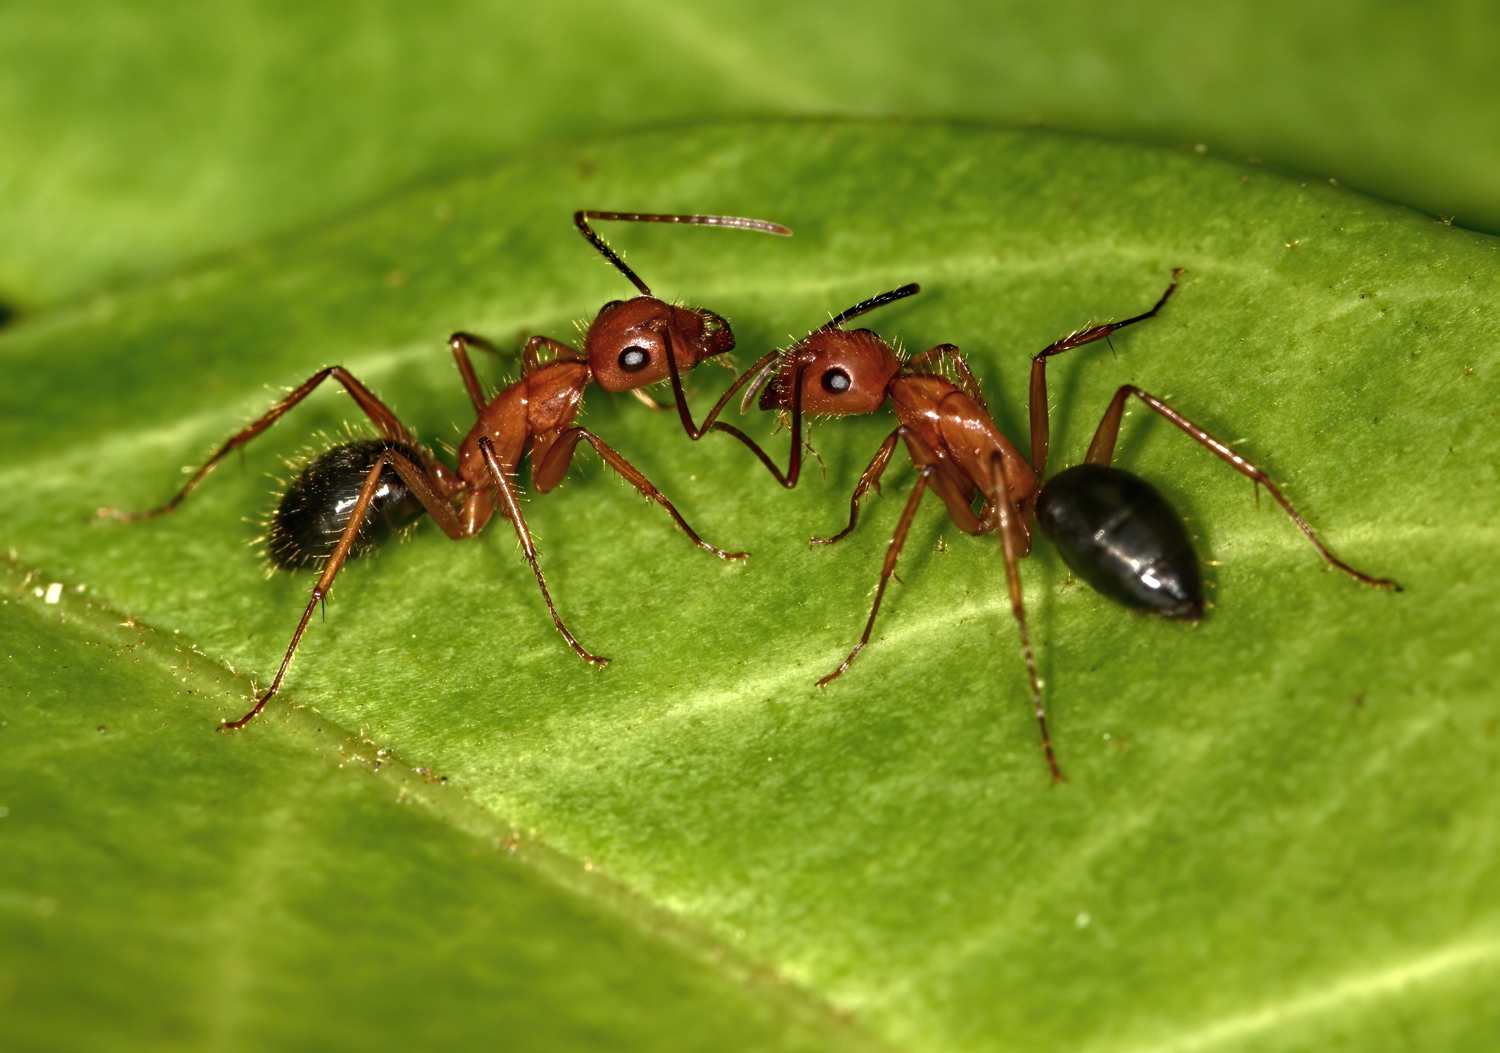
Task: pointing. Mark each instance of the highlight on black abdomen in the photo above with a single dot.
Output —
(315, 510)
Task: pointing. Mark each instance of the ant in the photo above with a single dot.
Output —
(352, 497)
(1113, 528)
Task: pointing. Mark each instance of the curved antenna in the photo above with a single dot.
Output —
(870, 305)
(582, 217)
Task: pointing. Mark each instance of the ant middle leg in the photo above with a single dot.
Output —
(548, 469)
(426, 490)
(1037, 399)
(888, 569)
(460, 342)
(377, 411)
(955, 495)
(1102, 449)
(934, 357)
(930, 475)
(511, 503)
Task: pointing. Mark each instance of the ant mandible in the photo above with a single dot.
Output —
(1113, 528)
(357, 494)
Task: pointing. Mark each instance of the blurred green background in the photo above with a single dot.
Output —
(135, 136)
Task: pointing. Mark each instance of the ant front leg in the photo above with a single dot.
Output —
(460, 343)
(1037, 400)
(376, 410)
(869, 480)
(549, 463)
(1102, 450)
(712, 422)
(946, 483)
(426, 489)
(512, 504)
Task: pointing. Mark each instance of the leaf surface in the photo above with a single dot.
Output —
(1278, 829)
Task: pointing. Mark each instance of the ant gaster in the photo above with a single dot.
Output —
(1114, 530)
(349, 499)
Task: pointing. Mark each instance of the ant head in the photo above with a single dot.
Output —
(627, 343)
(842, 372)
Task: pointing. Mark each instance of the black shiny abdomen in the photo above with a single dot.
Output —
(315, 509)
(1118, 534)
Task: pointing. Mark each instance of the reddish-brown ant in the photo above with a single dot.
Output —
(353, 496)
(1114, 530)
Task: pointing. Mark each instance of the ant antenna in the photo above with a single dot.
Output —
(870, 305)
(581, 220)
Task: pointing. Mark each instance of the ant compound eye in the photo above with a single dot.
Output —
(835, 382)
(634, 359)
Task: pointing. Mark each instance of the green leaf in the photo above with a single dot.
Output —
(168, 888)
(135, 137)
(1278, 829)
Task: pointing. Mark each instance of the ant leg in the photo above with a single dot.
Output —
(1037, 401)
(460, 342)
(932, 473)
(423, 486)
(965, 378)
(531, 360)
(955, 494)
(1102, 449)
(892, 552)
(547, 473)
(712, 423)
(1012, 548)
(512, 504)
(868, 480)
(376, 410)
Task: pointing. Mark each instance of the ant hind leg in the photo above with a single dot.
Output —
(1102, 450)
(377, 411)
